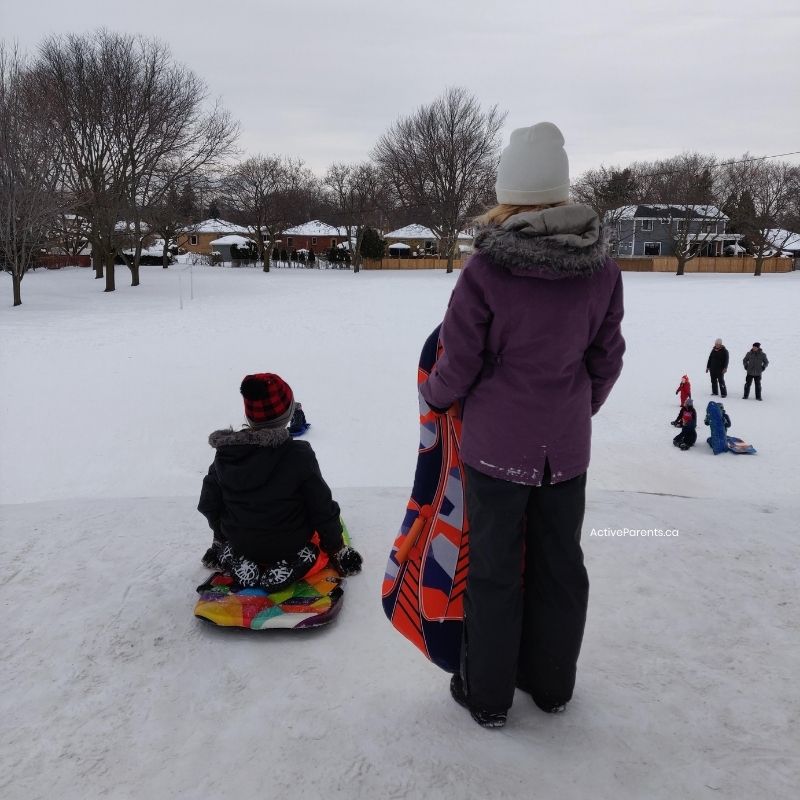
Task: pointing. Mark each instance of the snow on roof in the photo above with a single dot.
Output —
(155, 249)
(125, 226)
(315, 228)
(215, 226)
(419, 232)
(233, 239)
(399, 246)
(661, 210)
(783, 239)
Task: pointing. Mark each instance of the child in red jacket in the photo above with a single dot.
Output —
(684, 389)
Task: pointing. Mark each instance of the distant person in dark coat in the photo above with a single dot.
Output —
(755, 362)
(717, 366)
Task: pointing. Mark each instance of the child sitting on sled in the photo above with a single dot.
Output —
(265, 499)
(688, 425)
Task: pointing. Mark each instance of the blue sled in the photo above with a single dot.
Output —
(739, 446)
(300, 431)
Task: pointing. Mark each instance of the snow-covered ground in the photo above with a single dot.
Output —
(687, 683)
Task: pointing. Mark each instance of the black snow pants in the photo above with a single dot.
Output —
(718, 379)
(749, 380)
(527, 590)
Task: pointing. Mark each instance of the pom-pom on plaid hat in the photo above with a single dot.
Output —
(268, 400)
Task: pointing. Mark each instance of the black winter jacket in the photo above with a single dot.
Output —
(265, 494)
(718, 360)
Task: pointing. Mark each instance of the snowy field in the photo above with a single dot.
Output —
(688, 681)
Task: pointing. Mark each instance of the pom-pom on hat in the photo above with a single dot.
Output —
(268, 400)
(534, 168)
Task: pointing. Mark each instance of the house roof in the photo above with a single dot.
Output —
(215, 226)
(233, 238)
(661, 210)
(783, 239)
(315, 228)
(419, 232)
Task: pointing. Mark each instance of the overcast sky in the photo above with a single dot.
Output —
(322, 79)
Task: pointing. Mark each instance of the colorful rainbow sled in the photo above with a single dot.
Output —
(309, 603)
(423, 587)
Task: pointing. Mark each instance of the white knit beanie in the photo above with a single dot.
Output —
(534, 168)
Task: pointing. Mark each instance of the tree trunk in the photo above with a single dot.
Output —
(681, 265)
(165, 254)
(16, 283)
(134, 268)
(97, 263)
(759, 265)
(110, 287)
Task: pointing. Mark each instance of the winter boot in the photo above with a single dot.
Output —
(548, 709)
(486, 719)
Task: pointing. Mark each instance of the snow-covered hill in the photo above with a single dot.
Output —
(687, 680)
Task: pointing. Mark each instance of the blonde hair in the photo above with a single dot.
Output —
(501, 212)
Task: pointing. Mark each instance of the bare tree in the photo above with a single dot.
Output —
(128, 121)
(263, 192)
(689, 196)
(166, 135)
(30, 173)
(763, 192)
(69, 235)
(165, 218)
(609, 191)
(444, 156)
(359, 198)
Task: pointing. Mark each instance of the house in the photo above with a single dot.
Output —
(419, 240)
(125, 232)
(784, 242)
(314, 236)
(225, 244)
(197, 238)
(654, 230)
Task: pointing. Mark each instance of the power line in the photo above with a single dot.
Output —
(712, 166)
(757, 158)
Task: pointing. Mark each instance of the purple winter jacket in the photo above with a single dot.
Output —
(532, 344)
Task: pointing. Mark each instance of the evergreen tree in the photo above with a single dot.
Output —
(213, 210)
(188, 203)
(372, 246)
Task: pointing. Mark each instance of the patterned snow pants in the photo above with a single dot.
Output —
(270, 577)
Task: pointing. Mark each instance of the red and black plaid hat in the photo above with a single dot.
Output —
(268, 400)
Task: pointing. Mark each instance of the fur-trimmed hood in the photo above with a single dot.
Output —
(560, 242)
(258, 437)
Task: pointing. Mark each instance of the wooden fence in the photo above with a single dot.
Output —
(745, 264)
(740, 265)
(57, 261)
(409, 263)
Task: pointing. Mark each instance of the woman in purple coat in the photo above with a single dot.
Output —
(532, 347)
